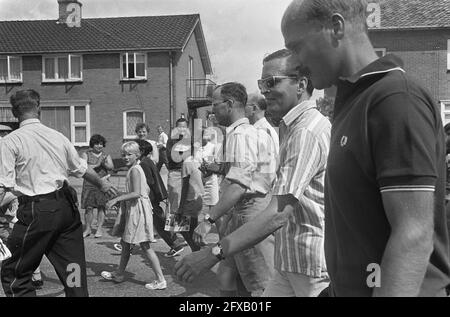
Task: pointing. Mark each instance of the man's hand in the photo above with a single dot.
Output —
(111, 203)
(191, 265)
(201, 232)
(108, 188)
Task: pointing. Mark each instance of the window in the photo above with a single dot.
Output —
(73, 121)
(133, 66)
(10, 69)
(62, 68)
(130, 119)
(448, 54)
(380, 52)
(445, 111)
(191, 75)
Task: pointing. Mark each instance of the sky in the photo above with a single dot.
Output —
(238, 33)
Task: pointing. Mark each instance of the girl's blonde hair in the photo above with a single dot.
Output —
(131, 147)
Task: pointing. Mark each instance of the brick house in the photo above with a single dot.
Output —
(104, 75)
(418, 31)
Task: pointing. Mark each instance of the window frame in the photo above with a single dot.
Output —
(126, 54)
(448, 55)
(69, 68)
(124, 123)
(445, 103)
(86, 124)
(9, 80)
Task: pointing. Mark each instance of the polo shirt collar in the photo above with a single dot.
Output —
(385, 64)
(29, 121)
(297, 111)
(236, 124)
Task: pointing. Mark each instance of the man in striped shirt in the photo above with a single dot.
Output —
(296, 208)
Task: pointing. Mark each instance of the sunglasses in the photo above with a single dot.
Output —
(268, 83)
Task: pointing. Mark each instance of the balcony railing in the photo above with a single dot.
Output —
(199, 90)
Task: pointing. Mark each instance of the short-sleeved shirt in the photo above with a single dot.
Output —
(36, 160)
(299, 245)
(387, 136)
(248, 158)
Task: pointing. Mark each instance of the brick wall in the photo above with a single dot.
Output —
(109, 96)
(424, 53)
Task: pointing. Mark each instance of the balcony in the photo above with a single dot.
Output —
(199, 92)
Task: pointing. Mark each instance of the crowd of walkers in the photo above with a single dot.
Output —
(301, 207)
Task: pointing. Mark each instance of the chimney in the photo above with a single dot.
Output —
(70, 12)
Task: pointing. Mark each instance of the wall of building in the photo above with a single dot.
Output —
(181, 71)
(424, 53)
(108, 94)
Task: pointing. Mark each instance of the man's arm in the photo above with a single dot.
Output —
(410, 244)
(230, 197)
(275, 216)
(105, 186)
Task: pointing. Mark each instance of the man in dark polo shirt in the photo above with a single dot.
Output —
(385, 222)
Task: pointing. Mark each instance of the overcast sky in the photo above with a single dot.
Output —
(239, 33)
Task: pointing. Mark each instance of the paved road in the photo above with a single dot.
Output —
(101, 256)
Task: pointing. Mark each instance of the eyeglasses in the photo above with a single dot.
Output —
(219, 103)
(268, 83)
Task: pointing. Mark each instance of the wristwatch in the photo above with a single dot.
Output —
(218, 252)
(209, 219)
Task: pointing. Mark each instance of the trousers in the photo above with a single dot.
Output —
(49, 226)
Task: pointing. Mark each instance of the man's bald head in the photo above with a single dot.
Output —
(321, 12)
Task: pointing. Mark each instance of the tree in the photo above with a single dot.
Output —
(326, 106)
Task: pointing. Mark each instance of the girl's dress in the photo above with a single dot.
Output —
(91, 196)
(137, 213)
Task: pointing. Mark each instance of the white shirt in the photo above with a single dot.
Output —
(154, 155)
(36, 160)
(248, 157)
(162, 139)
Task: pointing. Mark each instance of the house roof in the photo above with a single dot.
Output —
(167, 33)
(414, 14)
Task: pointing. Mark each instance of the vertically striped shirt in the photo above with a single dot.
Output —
(247, 157)
(305, 138)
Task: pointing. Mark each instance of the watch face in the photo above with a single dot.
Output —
(216, 250)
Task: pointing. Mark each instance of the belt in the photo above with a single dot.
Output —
(57, 194)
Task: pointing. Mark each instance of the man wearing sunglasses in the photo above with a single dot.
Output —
(296, 210)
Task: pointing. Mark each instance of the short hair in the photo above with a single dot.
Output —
(234, 90)
(180, 120)
(277, 55)
(141, 125)
(24, 101)
(260, 100)
(305, 72)
(300, 70)
(321, 11)
(97, 139)
(131, 147)
(145, 147)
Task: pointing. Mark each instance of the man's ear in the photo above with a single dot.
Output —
(302, 84)
(338, 26)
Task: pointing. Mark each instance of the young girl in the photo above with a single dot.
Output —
(91, 196)
(136, 223)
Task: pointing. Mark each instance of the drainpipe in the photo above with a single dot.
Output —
(171, 110)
